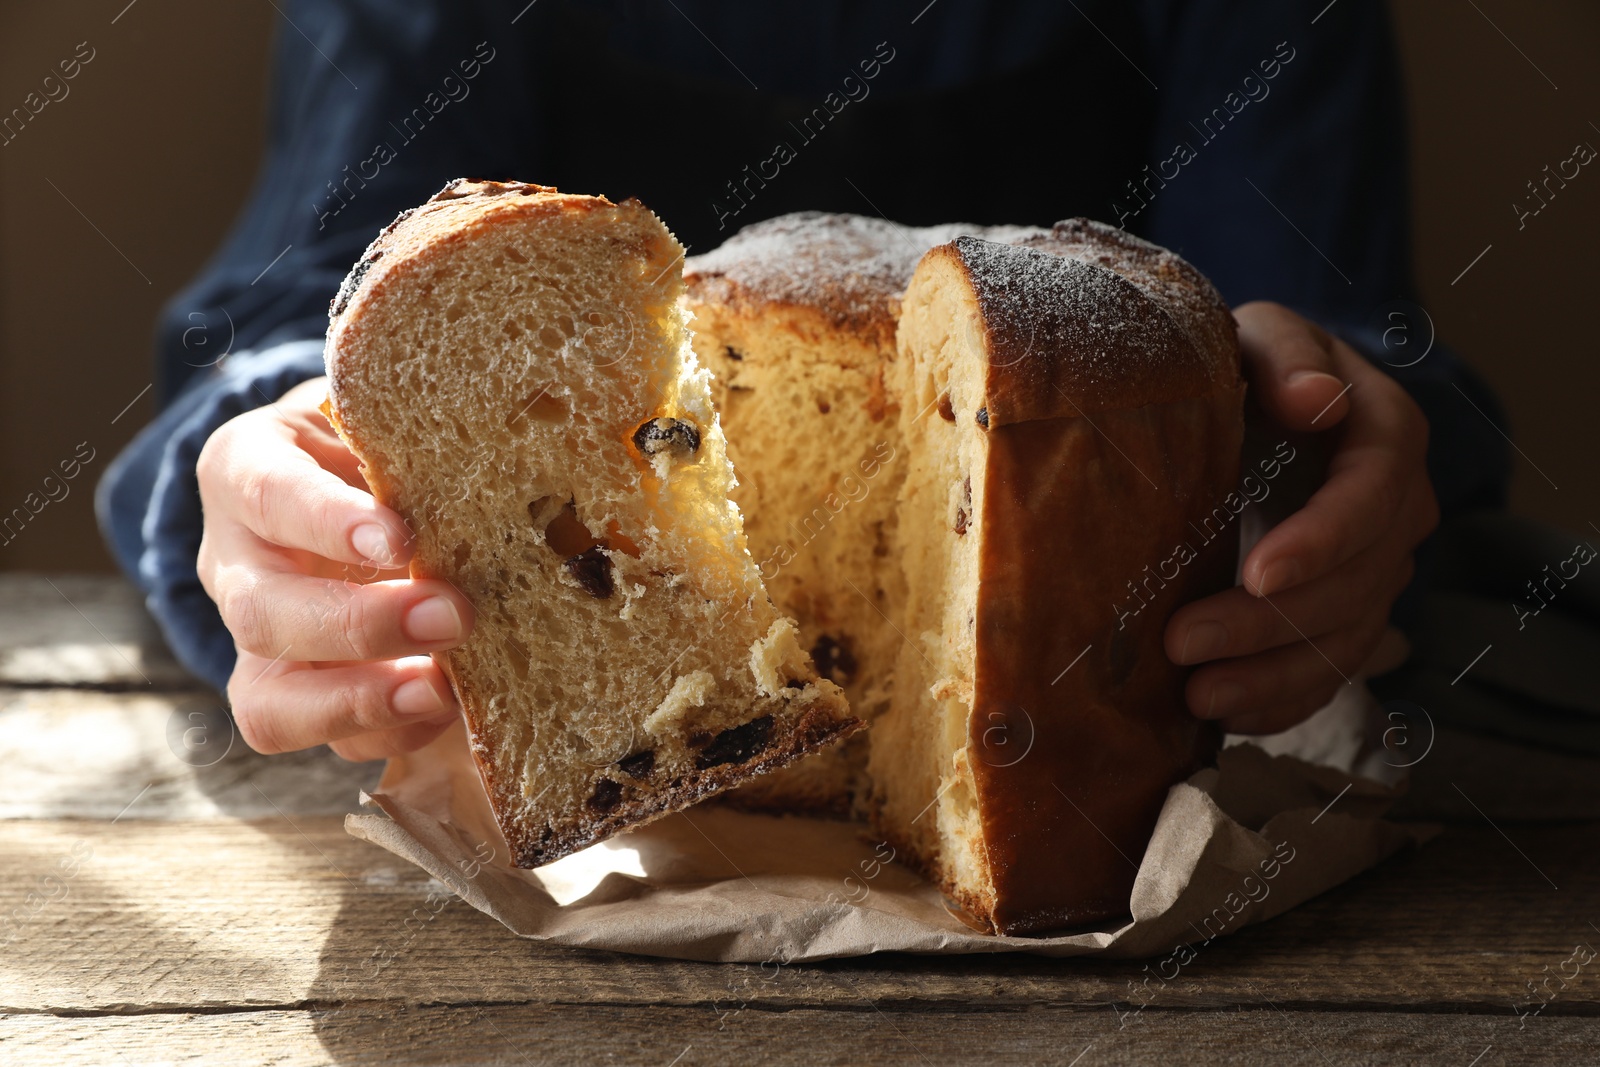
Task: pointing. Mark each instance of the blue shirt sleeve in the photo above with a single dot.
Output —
(148, 502)
(1278, 166)
(376, 104)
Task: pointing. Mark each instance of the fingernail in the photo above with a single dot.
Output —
(1205, 640)
(1306, 375)
(372, 541)
(1278, 576)
(417, 698)
(434, 619)
(1225, 697)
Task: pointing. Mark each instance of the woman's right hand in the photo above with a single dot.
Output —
(309, 573)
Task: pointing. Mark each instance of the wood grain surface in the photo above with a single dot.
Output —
(527, 1034)
(168, 896)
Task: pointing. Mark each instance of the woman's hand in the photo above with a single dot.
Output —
(308, 571)
(1313, 610)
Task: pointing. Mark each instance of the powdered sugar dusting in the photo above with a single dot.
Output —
(1188, 297)
(851, 267)
(1054, 303)
(1081, 314)
(1090, 317)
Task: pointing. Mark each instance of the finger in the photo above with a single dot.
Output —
(1234, 623)
(288, 616)
(281, 706)
(1391, 651)
(1377, 485)
(396, 742)
(1278, 719)
(1290, 364)
(254, 472)
(231, 555)
(302, 407)
(1273, 690)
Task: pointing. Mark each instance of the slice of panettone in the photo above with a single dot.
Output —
(512, 367)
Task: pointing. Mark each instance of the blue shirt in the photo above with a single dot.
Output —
(1264, 147)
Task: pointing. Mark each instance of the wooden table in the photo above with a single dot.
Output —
(159, 904)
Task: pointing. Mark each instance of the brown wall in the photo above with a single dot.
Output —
(1484, 122)
(155, 142)
(160, 135)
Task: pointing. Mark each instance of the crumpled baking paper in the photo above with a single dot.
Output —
(1236, 844)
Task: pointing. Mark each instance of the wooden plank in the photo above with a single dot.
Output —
(681, 1037)
(92, 630)
(81, 629)
(217, 915)
(75, 753)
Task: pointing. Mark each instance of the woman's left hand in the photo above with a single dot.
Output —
(1313, 610)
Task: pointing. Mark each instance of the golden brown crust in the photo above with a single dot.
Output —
(1086, 318)
(446, 216)
(1066, 823)
(849, 269)
(1113, 411)
(816, 729)
(819, 796)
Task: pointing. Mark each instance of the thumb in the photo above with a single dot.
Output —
(1290, 365)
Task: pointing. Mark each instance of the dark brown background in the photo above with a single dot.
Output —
(160, 135)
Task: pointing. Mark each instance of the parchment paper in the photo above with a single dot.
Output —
(1236, 844)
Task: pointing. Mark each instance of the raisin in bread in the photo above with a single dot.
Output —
(796, 318)
(511, 366)
(1071, 413)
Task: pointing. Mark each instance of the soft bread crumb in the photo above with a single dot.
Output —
(951, 689)
(922, 780)
(688, 691)
(631, 594)
(777, 657)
